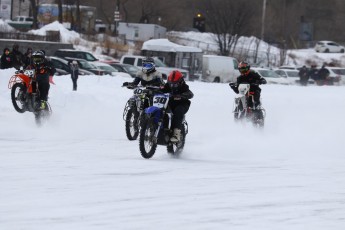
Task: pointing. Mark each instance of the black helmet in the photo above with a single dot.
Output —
(243, 67)
(38, 57)
(148, 65)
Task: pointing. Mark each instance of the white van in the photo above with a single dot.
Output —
(219, 68)
(160, 66)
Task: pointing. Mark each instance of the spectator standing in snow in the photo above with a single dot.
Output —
(27, 57)
(6, 59)
(303, 76)
(18, 57)
(74, 73)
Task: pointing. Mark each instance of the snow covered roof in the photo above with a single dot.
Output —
(167, 46)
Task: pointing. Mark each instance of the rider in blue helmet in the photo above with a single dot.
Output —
(148, 75)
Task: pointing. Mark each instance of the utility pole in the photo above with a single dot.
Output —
(117, 17)
(263, 20)
(262, 31)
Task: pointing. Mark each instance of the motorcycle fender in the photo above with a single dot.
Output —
(154, 111)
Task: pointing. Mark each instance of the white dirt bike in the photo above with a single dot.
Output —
(244, 107)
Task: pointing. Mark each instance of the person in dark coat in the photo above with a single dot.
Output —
(179, 102)
(74, 73)
(6, 59)
(249, 77)
(27, 57)
(43, 69)
(323, 76)
(303, 76)
(313, 73)
(18, 57)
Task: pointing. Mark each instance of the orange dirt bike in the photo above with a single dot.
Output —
(25, 95)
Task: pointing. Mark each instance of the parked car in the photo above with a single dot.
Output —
(130, 69)
(160, 66)
(291, 75)
(329, 47)
(290, 67)
(21, 22)
(337, 74)
(270, 76)
(62, 64)
(100, 27)
(219, 68)
(108, 69)
(69, 53)
(83, 64)
(106, 59)
(60, 72)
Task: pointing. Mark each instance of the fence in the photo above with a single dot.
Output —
(52, 36)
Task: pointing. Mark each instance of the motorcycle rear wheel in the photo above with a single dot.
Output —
(177, 148)
(147, 140)
(17, 95)
(42, 116)
(132, 124)
(259, 119)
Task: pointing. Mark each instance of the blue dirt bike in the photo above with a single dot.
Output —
(156, 128)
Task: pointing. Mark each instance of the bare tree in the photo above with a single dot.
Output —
(60, 10)
(226, 19)
(34, 13)
(78, 19)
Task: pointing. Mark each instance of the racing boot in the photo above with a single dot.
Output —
(257, 105)
(43, 105)
(176, 135)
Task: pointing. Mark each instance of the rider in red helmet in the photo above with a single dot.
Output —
(179, 102)
(250, 77)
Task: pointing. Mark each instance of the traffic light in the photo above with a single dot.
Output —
(199, 22)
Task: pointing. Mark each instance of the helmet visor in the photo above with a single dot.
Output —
(243, 69)
(37, 59)
(174, 85)
(147, 66)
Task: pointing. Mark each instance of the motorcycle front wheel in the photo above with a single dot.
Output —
(177, 148)
(132, 124)
(147, 140)
(18, 97)
(238, 112)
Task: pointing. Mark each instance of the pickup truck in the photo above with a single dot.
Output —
(160, 66)
(21, 22)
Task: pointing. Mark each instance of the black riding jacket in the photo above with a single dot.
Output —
(183, 94)
(252, 78)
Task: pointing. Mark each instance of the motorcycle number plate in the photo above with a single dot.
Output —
(160, 101)
(138, 91)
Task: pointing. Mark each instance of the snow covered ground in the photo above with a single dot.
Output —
(79, 171)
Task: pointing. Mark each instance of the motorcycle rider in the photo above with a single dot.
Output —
(249, 77)
(43, 69)
(148, 76)
(179, 102)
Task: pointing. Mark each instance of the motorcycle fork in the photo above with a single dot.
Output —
(164, 122)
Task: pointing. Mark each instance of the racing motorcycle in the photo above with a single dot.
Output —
(133, 111)
(244, 107)
(156, 128)
(25, 95)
